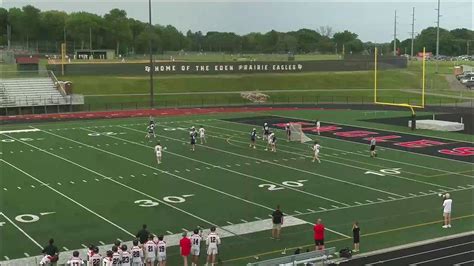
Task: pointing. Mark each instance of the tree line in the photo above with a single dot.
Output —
(43, 31)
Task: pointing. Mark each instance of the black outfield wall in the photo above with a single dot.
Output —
(172, 68)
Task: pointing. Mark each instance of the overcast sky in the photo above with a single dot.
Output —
(372, 20)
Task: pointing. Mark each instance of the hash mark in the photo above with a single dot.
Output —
(324, 209)
(84, 246)
(143, 174)
(59, 184)
(6, 258)
(19, 187)
(72, 182)
(310, 210)
(132, 176)
(32, 186)
(258, 218)
(169, 232)
(65, 248)
(369, 201)
(26, 254)
(245, 221)
(229, 223)
(83, 180)
(298, 212)
(335, 207)
(102, 243)
(356, 202)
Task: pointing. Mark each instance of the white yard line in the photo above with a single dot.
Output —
(360, 155)
(69, 198)
(290, 167)
(226, 169)
(166, 172)
(394, 132)
(19, 229)
(118, 183)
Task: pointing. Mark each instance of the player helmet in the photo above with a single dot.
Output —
(124, 247)
(75, 254)
(196, 231)
(213, 229)
(96, 250)
(265, 124)
(135, 242)
(109, 253)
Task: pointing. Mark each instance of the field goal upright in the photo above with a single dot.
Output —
(412, 107)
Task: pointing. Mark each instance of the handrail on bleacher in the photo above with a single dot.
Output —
(58, 85)
(319, 256)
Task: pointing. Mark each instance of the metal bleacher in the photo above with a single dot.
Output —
(39, 91)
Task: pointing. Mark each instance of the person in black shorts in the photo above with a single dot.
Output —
(373, 143)
(356, 236)
(277, 219)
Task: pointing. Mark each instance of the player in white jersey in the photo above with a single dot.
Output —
(202, 135)
(161, 247)
(75, 260)
(270, 141)
(126, 256)
(213, 241)
(150, 132)
(107, 260)
(137, 254)
(373, 143)
(196, 239)
(158, 152)
(316, 148)
(192, 136)
(318, 125)
(150, 251)
(288, 132)
(116, 256)
(94, 258)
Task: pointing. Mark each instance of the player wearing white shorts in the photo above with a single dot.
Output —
(196, 239)
(213, 241)
(192, 137)
(150, 251)
(137, 254)
(447, 206)
(94, 257)
(161, 246)
(202, 135)
(318, 125)
(158, 152)
(126, 256)
(150, 132)
(75, 260)
(316, 148)
(273, 141)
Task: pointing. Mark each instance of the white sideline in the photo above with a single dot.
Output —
(171, 240)
(19, 131)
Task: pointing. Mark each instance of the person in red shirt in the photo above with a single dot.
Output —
(319, 235)
(185, 247)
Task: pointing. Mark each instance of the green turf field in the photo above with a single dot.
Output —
(96, 181)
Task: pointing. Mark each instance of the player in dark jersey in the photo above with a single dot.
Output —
(253, 138)
(193, 136)
(150, 132)
(266, 131)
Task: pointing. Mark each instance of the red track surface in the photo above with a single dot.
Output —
(142, 113)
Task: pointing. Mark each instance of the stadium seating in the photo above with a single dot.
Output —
(30, 92)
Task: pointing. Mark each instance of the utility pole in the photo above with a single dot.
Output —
(412, 31)
(152, 68)
(395, 35)
(90, 39)
(437, 35)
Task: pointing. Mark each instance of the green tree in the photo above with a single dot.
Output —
(79, 24)
(118, 27)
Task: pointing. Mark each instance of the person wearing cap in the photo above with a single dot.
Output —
(185, 248)
(447, 204)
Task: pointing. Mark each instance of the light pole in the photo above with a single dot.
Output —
(437, 36)
(152, 68)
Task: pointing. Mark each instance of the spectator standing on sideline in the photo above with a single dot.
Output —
(447, 204)
(319, 235)
(277, 217)
(143, 234)
(185, 248)
(356, 235)
(51, 253)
